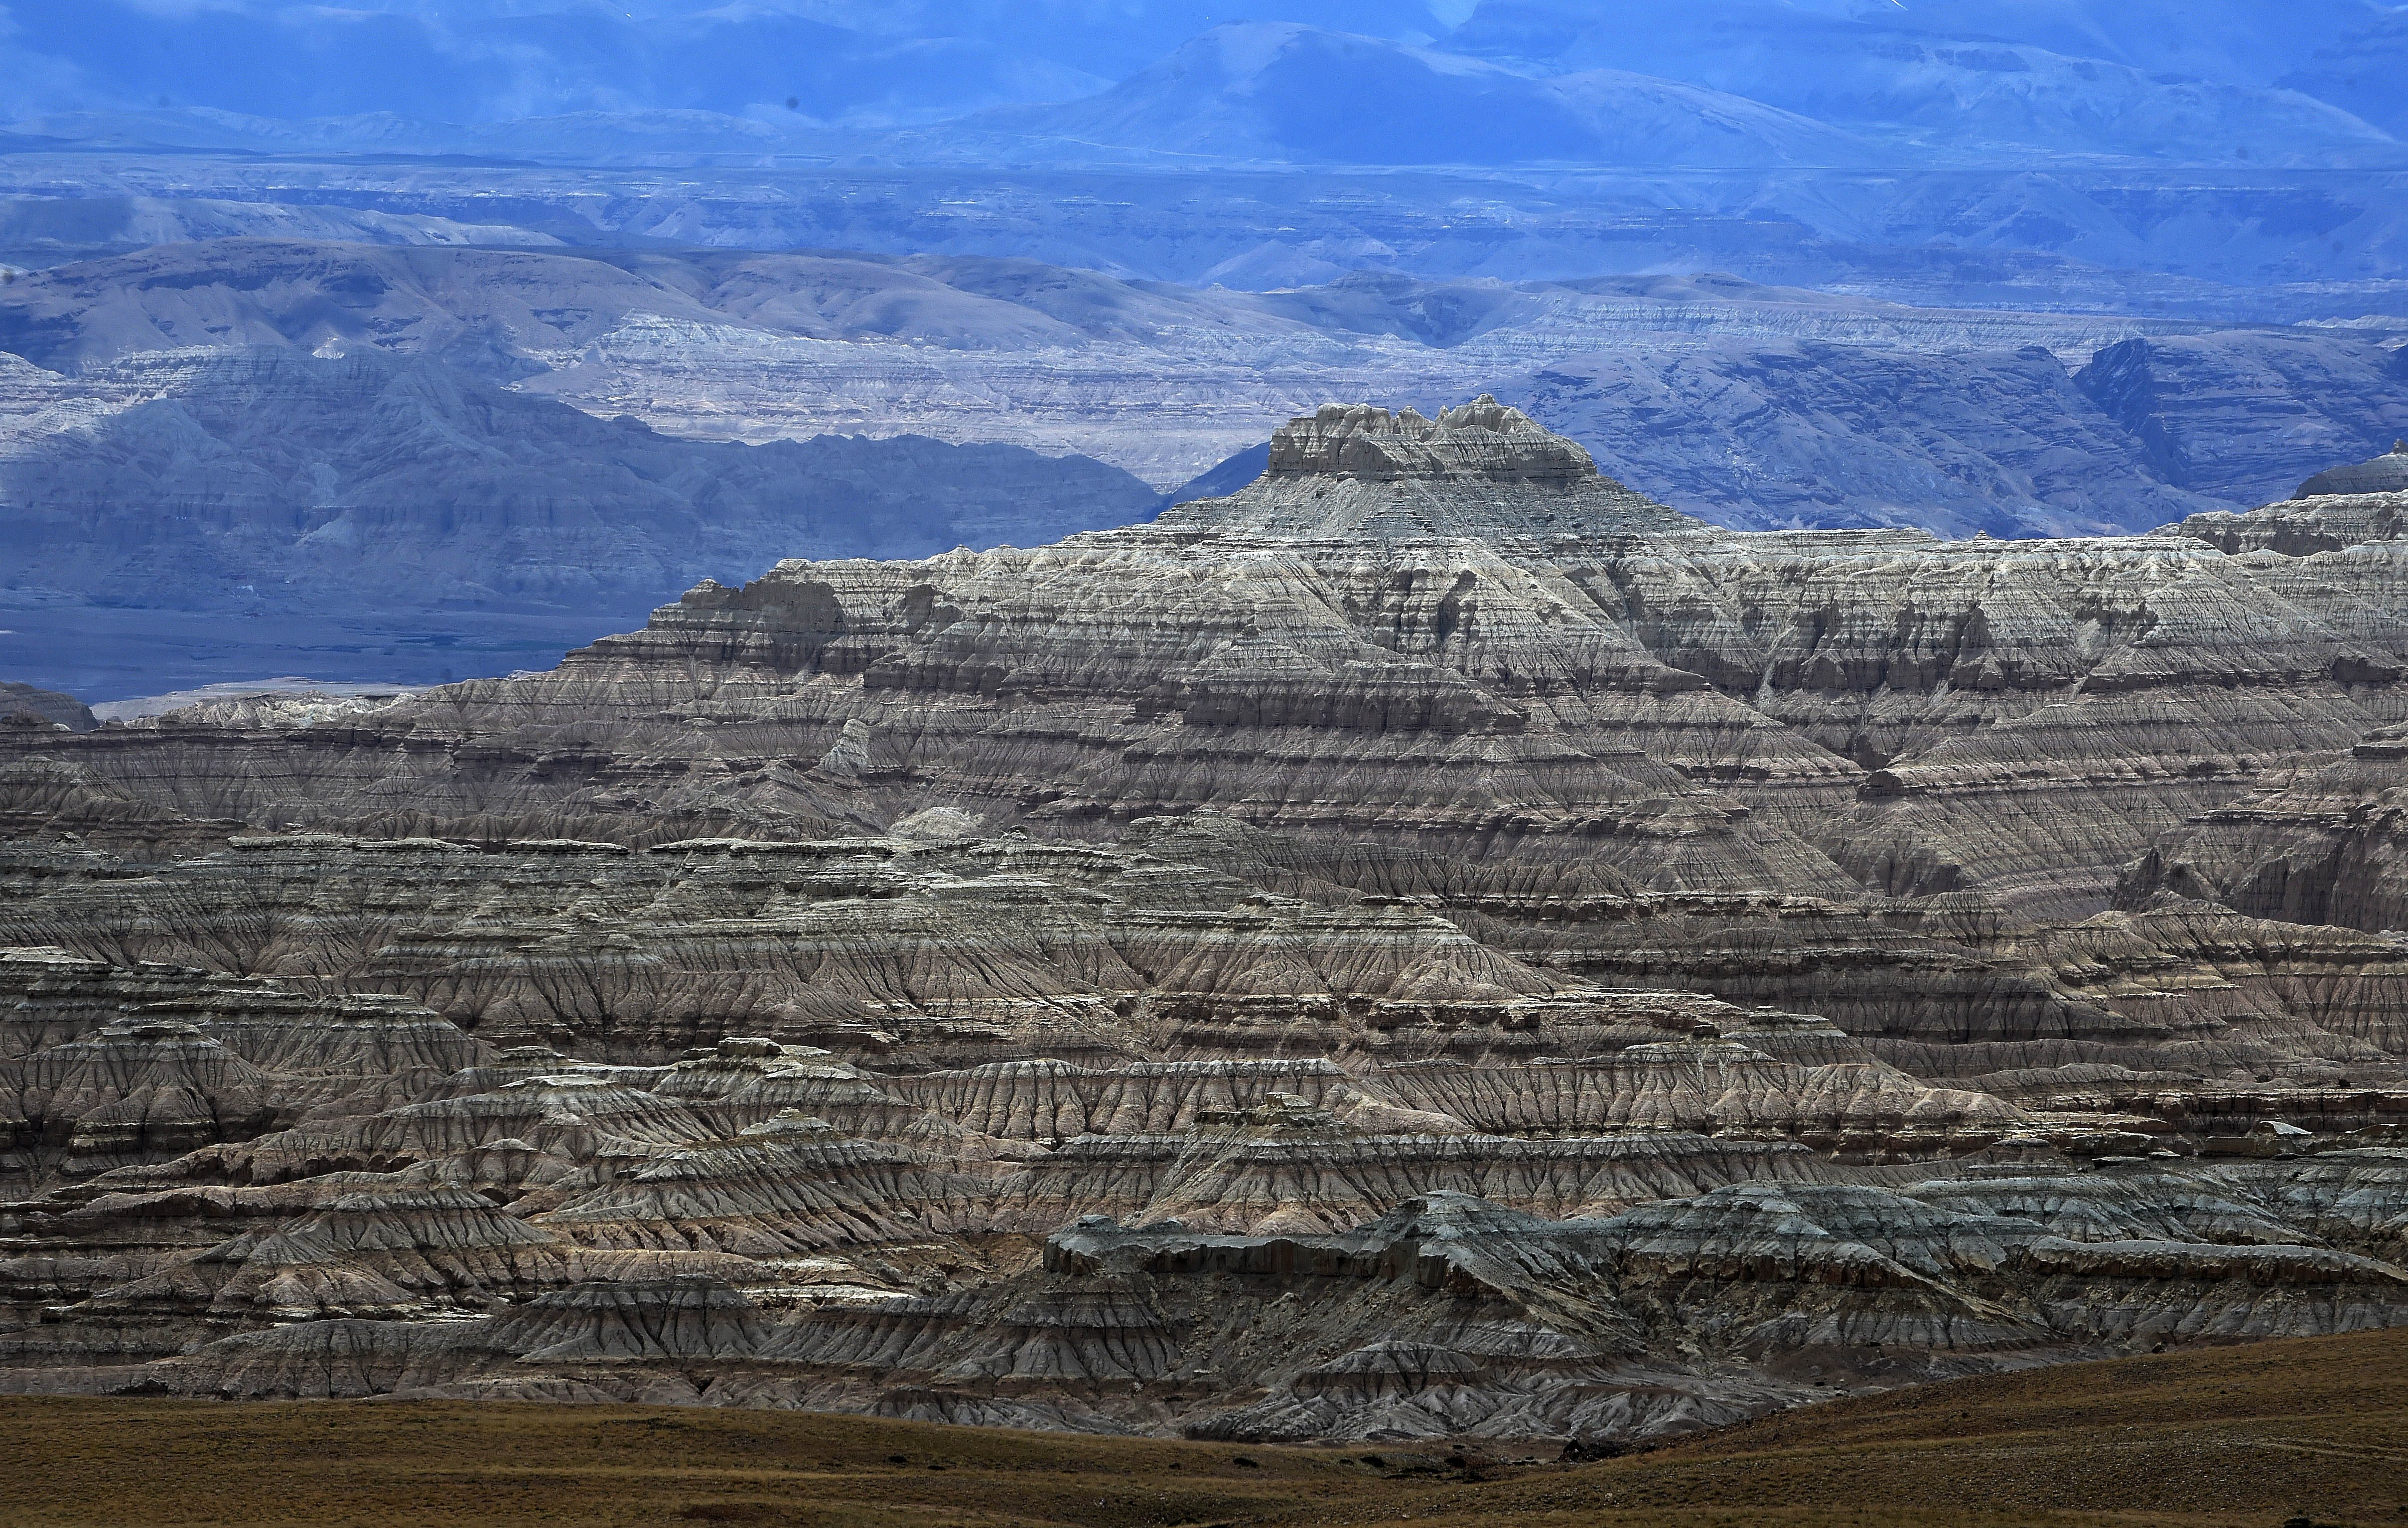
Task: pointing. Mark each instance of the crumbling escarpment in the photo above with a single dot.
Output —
(1430, 945)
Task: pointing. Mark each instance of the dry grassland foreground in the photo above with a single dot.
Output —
(2257, 1434)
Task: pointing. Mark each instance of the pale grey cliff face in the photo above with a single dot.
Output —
(2322, 844)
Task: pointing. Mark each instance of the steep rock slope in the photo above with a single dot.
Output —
(1807, 434)
(22, 705)
(104, 1065)
(2199, 406)
(1221, 1256)
(1439, 665)
(791, 1266)
(2320, 843)
(1062, 964)
(265, 479)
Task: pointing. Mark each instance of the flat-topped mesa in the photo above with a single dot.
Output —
(2384, 474)
(1481, 470)
(1481, 440)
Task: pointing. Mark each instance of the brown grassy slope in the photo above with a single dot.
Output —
(75, 1461)
(2256, 1432)
(2247, 1434)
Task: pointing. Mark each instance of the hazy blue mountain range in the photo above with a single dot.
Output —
(1277, 90)
(516, 313)
(262, 477)
(1685, 85)
(2159, 79)
(302, 294)
(2230, 40)
(1749, 404)
(2359, 71)
(1649, 82)
(2097, 239)
(50, 230)
(487, 60)
(2099, 147)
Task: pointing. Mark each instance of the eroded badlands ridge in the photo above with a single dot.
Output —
(1434, 943)
(1464, 641)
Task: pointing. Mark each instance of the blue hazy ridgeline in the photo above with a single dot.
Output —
(1343, 82)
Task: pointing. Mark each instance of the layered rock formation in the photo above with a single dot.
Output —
(2321, 843)
(1433, 942)
(1516, 666)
